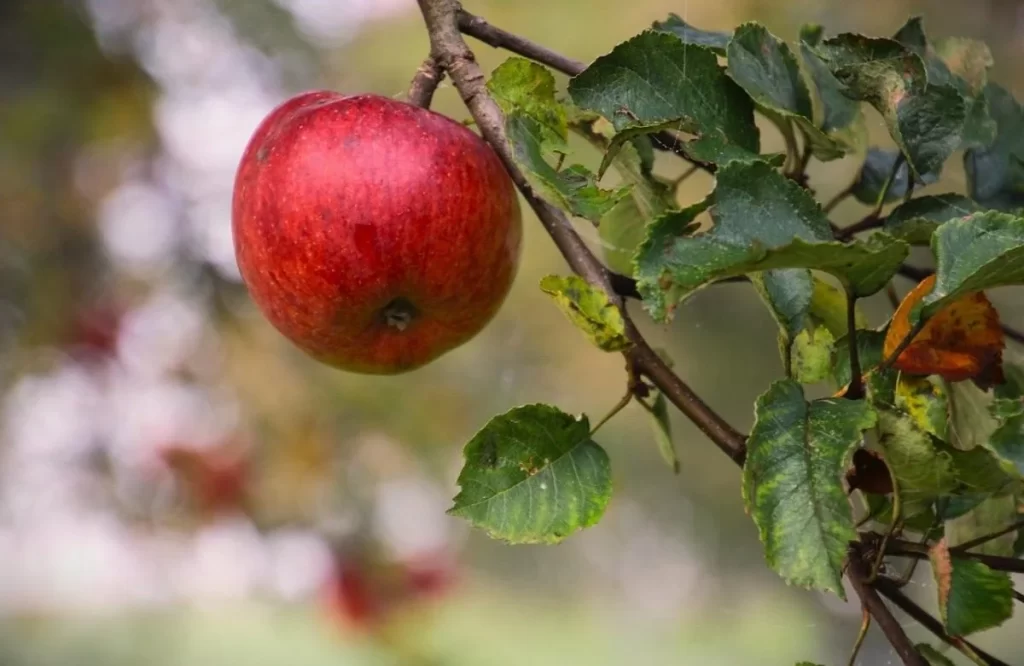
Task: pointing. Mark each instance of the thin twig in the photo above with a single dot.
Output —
(870, 221)
(891, 592)
(887, 185)
(865, 624)
(1019, 596)
(858, 576)
(855, 391)
(985, 538)
(901, 548)
(840, 196)
(477, 27)
(451, 51)
(424, 83)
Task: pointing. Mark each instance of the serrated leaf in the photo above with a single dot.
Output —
(840, 117)
(922, 471)
(932, 656)
(812, 355)
(962, 64)
(916, 220)
(995, 175)
(925, 401)
(925, 121)
(791, 231)
(662, 428)
(981, 251)
(675, 25)
(589, 309)
(536, 126)
(797, 455)
(972, 597)
(533, 475)
(765, 67)
(655, 81)
(993, 514)
(787, 293)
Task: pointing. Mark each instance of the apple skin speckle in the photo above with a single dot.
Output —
(345, 205)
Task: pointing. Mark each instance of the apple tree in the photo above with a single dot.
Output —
(888, 471)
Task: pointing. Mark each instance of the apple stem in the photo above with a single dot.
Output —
(399, 313)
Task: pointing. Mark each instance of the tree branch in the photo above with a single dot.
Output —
(858, 576)
(891, 592)
(424, 83)
(451, 52)
(902, 548)
(474, 26)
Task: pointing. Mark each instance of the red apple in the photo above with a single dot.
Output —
(374, 234)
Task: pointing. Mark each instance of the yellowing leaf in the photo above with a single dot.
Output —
(961, 341)
(589, 309)
(925, 402)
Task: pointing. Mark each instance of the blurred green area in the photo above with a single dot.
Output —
(124, 332)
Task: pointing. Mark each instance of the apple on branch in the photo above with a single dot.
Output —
(374, 234)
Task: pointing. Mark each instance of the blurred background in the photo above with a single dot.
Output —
(181, 487)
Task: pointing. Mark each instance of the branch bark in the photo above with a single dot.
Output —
(858, 575)
(449, 50)
(902, 548)
(424, 83)
(891, 591)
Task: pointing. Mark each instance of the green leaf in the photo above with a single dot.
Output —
(623, 228)
(1007, 442)
(764, 66)
(925, 121)
(797, 455)
(995, 175)
(978, 252)
(932, 656)
(916, 220)
(993, 514)
(533, 475)
(674, 25)
(662, 427)
(589, 309)
(926, 402)
(972, 597)
(962, 64)
(840, 117)
(791, 231)
(978, 470)
(812, 354)
(828, 306)
(537, 129)
(655, 81)
(922, 472)
(787, 293)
